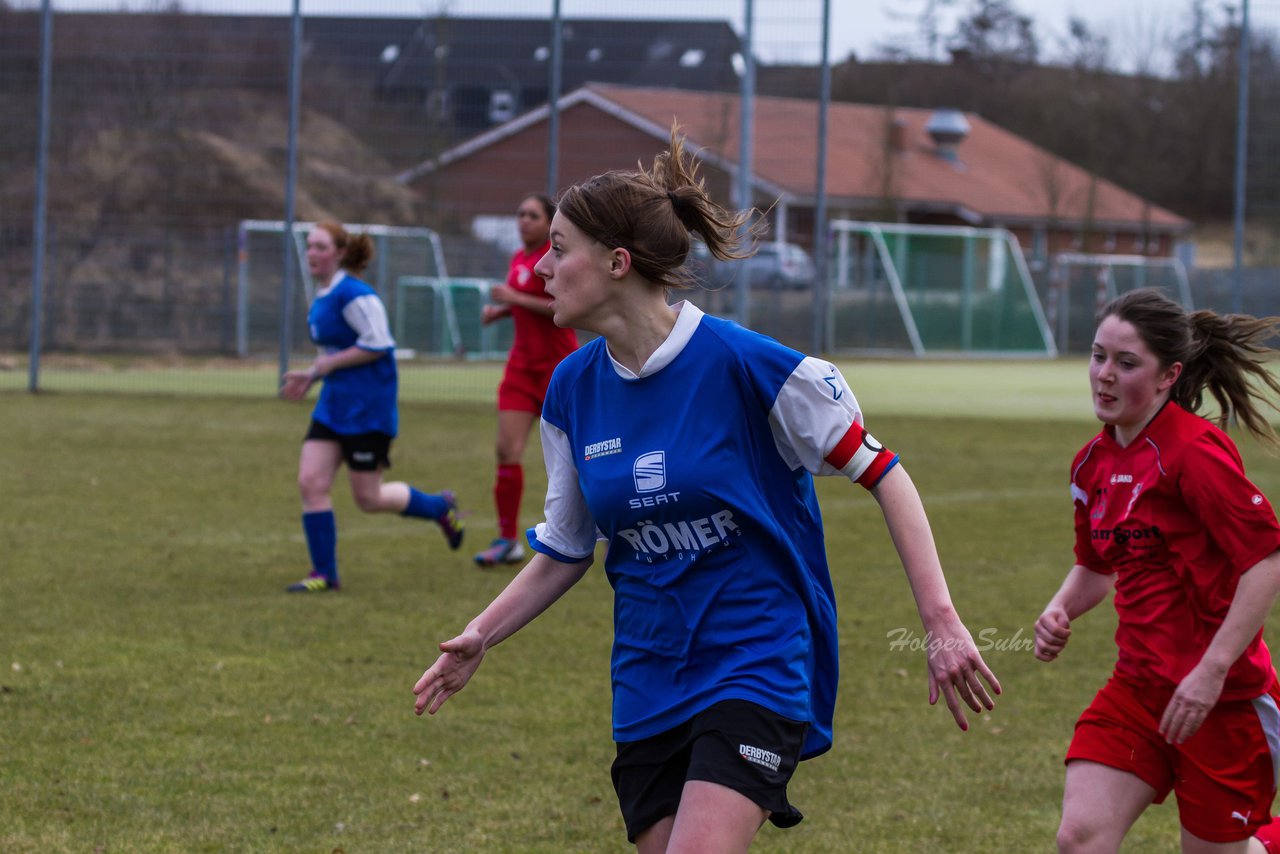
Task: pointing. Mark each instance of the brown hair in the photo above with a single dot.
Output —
(1223, 354)
(356, 249)
(651, 213)
(548, 206)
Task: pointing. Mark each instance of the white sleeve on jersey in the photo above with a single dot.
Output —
(569, 527)
(817, 425)
(368, 317)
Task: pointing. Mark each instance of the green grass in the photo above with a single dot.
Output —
(996, 389)
(158, 691)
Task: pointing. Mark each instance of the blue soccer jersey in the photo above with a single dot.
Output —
(697, 472)
(362, 399)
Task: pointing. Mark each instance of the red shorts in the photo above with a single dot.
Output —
(1224, 776)
(523, 389)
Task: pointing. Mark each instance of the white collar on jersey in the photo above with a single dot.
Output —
(337, 277)
(688, 316)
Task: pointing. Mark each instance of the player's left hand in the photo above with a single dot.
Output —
(457, 663)
(955, 666)
(502, 294)
(296, 384)
(1194, 699)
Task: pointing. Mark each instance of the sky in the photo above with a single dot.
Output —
(788, 30)
(1132, 26)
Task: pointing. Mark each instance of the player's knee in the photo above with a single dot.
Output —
(369, 502)
(1080, 834)
(312, 487)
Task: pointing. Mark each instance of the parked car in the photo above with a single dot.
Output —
(775, 266)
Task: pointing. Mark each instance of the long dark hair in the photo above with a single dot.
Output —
(548, 206)
(1224, 355)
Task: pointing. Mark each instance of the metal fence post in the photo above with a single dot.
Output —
(746, 112)
(42, 180)
(1242, 153)
(822, 287)
(290, 187)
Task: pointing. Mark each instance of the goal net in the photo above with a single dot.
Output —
(1079, 285)
(442, 316)
(933, 290)
(398, 252)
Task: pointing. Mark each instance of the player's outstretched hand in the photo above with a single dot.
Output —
(1053, 630)
(458, 660)
(296, 384)
(955, 666)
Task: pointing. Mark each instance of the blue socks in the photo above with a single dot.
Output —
(425, 506)
(322, 541)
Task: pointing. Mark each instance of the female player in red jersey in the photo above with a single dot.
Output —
(1166, 517)
(538, 347)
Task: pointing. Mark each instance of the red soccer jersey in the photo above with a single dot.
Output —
(1177, 521)
(539, 344)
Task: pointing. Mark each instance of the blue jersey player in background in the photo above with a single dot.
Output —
(356, 417)
(689, 444)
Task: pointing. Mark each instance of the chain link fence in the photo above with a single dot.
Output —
(168, 128)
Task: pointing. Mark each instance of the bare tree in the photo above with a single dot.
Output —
(994, 31)
(927, 21)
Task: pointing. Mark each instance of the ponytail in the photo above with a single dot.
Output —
(1228, 359)
(357, 249)
(652, 214)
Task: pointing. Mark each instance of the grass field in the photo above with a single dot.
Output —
(159, 693)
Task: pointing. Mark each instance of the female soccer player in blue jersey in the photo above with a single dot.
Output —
(356, 417)
(689, 444)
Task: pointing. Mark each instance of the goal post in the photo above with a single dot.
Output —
(399, 251)
(443, 316)
(1080, 284)
(933, 290)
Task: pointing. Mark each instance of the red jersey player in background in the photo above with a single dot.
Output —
(1166, 517)
(538, 347)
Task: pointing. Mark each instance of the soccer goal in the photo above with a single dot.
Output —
(933, 291)
(441, 316)
(1081, 284)
(398, 252)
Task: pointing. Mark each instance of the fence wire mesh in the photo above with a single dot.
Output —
(168, 126)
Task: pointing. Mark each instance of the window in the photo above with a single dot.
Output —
(502, 106)
(692, 58)
(1039, 244)
(438, 104)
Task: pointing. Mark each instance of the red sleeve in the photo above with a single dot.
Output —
(1085, 554)
(1237, 516)
(1082, 493)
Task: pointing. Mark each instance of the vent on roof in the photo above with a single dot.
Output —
(660, 50)
(948, 129)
